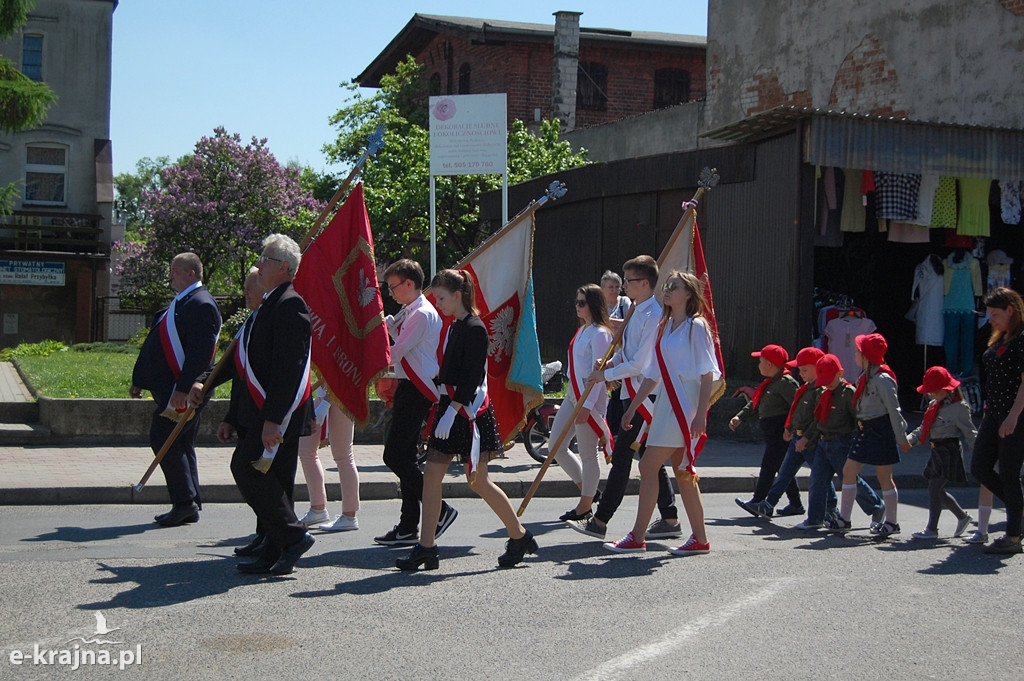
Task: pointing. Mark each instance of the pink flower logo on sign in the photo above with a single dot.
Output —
(444, 109)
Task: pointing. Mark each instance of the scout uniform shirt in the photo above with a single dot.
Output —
(842, 417)
(775, 401)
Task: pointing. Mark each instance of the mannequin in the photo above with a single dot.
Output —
(961, 289)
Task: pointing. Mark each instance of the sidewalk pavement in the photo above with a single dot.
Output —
(107, 474)
(98, 474)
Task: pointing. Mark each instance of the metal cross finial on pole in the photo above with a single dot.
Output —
(708, 178)
(373, 143)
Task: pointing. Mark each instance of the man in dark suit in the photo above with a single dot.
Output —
(273, 410)
(180, 346)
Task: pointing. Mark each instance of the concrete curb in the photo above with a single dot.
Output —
(219, 493)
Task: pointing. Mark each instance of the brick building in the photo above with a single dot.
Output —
(600, 75)
(55, 246)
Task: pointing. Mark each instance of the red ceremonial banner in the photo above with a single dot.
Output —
(338, 280)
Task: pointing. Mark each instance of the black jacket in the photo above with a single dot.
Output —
(197, 319)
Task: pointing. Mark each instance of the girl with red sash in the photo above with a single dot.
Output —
(685, 364)
(587, 347)
(464, 426)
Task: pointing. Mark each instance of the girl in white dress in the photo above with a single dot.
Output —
(587, 347)
(684, 363)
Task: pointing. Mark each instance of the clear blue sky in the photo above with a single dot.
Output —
(272, 69)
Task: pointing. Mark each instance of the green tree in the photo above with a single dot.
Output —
(23, 101)
(396, 180)
(130, 186)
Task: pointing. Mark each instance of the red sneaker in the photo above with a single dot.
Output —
(627, 544)
(692, 547)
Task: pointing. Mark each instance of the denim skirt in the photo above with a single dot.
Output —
(874, 443)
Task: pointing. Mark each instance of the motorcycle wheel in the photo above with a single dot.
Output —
(535, 439)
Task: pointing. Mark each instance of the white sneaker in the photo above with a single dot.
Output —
(343, 523)
(313, 517)
(925, 534)
(977, 537)
(962, 524)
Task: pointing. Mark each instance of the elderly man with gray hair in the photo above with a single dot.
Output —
(274, 410)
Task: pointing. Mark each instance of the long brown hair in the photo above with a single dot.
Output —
(458, 281)
(697, 305)
(1005, 299)
(594, 296)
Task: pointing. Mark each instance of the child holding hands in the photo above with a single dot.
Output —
(946, 421)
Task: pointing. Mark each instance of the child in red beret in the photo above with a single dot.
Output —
(882, 431)
(771, 404)
(946, 421)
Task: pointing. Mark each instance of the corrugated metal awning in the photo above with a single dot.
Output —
(895, 145)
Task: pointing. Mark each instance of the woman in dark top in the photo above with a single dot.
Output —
(1001, 435)
(464, 425)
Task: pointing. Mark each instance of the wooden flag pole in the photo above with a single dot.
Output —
(184, 418)
(373, 143)
(707, 181)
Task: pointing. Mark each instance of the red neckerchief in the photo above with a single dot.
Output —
(862, 382)
(796, 400)
(824, 407)
(932, 412)
(759, 393)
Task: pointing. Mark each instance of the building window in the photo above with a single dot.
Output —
(32, 56)
(592, 86)
(464, 72)
(46, 168)
(434, 84)
(671, 86)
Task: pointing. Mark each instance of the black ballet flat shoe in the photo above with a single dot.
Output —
(252, 548)
(572, 515)
(516, 549)
(420, 555)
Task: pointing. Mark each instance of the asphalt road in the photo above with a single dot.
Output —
(768, 602)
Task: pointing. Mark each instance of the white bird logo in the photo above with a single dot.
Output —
(101, 625)
(101, 630)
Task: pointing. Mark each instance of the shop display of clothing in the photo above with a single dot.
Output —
(944, 204)
(896, 195)
(907, 233)
(974, 218)
(1009, 200)
(961, 284)
(841, 334)
(928, 292)
(926, 200)
(852, 216)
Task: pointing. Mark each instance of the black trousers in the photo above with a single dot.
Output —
(269, 494)
(407, 416)
(1008, 452)
(774, 452)
(179, 465)
(618, 477)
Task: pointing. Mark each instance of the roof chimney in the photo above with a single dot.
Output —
(565, 63)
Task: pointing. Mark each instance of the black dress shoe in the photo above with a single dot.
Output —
(515, 549)
(285, 565)
(260, 566)
(420, 555)
(179, 515)
(252, 548)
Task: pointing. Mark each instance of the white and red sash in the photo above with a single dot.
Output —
(256, 390)
(674, 394)
(470, 412)
(170, 341)
(599, 426)
(425, 384)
